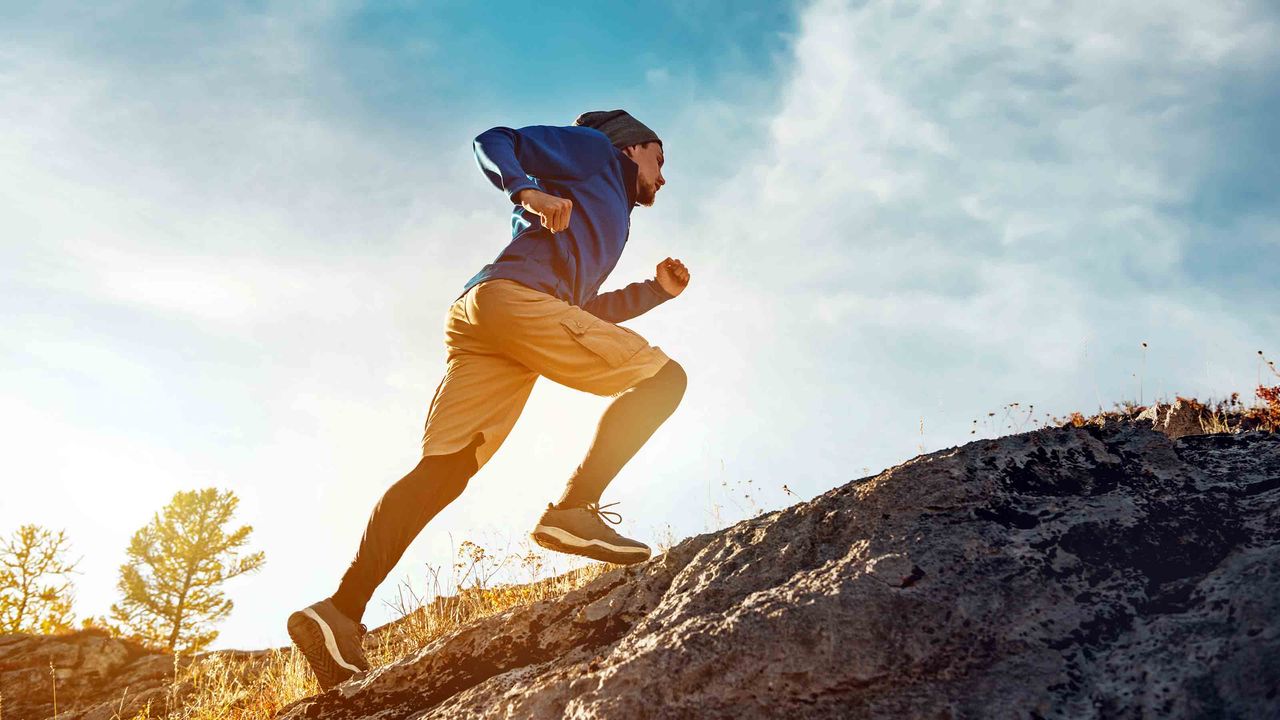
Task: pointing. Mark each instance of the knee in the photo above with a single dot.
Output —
(674, 379)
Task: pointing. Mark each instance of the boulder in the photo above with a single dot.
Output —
(1184, 417)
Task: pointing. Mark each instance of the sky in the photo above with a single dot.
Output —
(229, 234)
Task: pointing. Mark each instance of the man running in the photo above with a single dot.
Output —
(534, 311)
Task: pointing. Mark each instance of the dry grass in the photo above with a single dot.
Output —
(227, 685)
(1230, 415)
(1223, 416)
(422, 622)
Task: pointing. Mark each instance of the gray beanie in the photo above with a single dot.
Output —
(622, 129)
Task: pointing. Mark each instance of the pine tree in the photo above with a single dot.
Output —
(177, 563)
(35, 588)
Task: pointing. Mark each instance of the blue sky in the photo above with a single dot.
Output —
(230, 234)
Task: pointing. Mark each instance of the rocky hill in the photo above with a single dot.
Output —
(1086, 572)
(1083, 572)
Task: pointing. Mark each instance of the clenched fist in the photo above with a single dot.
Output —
(553, 210)
(672, 276)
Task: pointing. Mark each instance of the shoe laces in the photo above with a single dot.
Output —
(599, 509)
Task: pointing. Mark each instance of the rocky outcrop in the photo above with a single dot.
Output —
(1083, 572)
(89, 675)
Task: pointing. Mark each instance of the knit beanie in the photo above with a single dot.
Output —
(622, 129)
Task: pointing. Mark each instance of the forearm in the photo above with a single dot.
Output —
(629, 302)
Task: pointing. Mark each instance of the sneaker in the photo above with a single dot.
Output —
(578, 530)
(331, 642)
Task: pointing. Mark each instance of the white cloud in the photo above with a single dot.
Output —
(966, 141)
(959, 205)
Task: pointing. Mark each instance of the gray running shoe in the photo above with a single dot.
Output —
(579, 530)
(331, 642)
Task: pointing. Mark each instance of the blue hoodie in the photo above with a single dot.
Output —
(578, 163)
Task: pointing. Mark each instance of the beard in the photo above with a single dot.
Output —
(647, 194)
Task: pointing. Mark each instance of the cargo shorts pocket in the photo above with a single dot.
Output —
(614, 343)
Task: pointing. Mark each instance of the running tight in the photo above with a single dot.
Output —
(438, 480)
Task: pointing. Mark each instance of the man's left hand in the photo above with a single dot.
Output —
(672, 276)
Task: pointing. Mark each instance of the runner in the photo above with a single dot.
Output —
(534, 311)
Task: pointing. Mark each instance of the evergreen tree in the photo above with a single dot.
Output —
(35, 587)
(177, 563)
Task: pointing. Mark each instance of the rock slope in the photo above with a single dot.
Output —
(1083, 572)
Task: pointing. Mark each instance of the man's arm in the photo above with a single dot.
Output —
(670, 279)
(509, 157)
(631, 301)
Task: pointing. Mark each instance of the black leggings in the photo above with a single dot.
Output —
(438, 480)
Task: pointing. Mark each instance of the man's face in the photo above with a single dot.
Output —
(649, 157)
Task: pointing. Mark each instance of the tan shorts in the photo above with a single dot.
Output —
(500, 337)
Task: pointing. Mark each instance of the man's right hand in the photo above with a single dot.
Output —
(553, 210)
